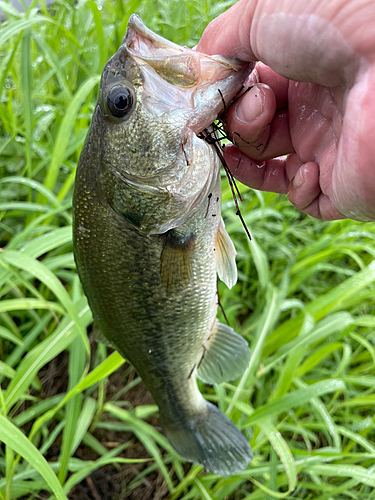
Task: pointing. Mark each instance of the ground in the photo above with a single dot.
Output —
(109, 482)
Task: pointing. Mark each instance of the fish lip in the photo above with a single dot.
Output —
(137, 27)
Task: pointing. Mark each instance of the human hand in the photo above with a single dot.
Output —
(316, 104)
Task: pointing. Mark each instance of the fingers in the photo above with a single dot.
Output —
(277, 83)
(264, 175)
(304, 186)
(248, 120)
(286, 176)
(257, 127)
(258, 122)
(303, 41)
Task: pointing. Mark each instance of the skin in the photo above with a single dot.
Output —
(312, 99)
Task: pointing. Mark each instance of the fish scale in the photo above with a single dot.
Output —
(148, 237)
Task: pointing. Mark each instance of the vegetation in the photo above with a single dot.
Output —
(304, 301)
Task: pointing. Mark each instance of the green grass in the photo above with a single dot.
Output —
(304, 299)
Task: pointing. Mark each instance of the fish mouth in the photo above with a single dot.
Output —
(179, 66)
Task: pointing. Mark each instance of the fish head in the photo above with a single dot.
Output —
(153, 93)
(179, 78)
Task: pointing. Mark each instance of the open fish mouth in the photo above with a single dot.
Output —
(180, 66)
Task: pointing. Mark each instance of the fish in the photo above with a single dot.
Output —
(149, 240)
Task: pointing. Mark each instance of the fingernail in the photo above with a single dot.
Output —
(298, 179)
(250, 106)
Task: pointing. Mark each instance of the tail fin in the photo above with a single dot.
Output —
(211, 440)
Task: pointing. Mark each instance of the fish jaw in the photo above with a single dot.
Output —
(182, 78)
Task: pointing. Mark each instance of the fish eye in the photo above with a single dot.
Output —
(120, 101)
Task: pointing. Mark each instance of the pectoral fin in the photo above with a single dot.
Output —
(225, 357)
(176, 260)
(225, 257)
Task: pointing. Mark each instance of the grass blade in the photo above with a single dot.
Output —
(66, 128)
(283, 451)
(43, 274)
(13, 437)
(297, 398)
(44, 352)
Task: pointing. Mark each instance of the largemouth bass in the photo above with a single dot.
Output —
(149, 240)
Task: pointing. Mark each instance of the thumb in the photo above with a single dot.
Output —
(249, 119)
(228, 34)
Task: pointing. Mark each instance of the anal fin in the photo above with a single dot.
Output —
(225, 356)
(225, 257)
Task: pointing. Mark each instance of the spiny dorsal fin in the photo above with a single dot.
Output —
(176, 260)
(225, 356)
(225, 257)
